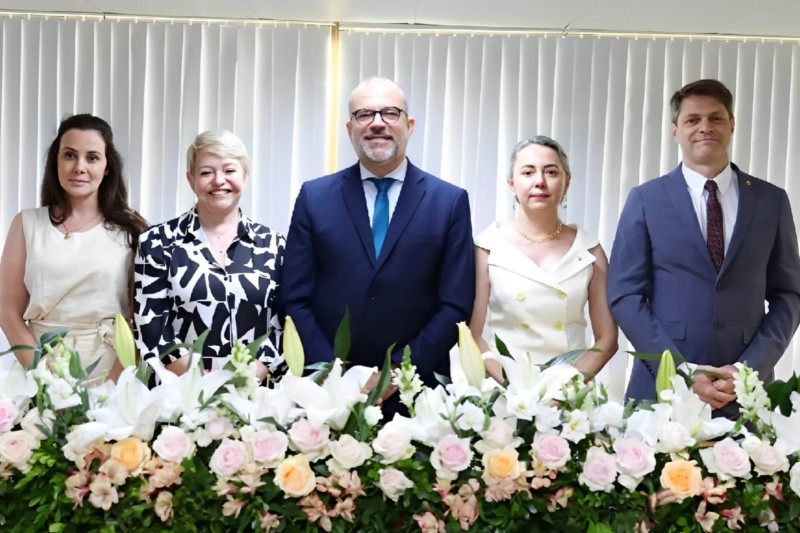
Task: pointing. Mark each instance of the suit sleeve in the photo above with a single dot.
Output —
(783, 296)
(630, 279)
(298, 278)
(456, 295)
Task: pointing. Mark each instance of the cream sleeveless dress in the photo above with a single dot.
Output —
(542, 312)
(80, 283)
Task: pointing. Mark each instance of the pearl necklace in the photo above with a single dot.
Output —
(68, 232)
(538, 240)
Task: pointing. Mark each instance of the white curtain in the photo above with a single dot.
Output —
(473, 96)
(605, 99)
(159, 85)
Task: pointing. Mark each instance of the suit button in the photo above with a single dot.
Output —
(561, 295)
(520, 296)
(525, 325)
(718, 325)
(559, 326)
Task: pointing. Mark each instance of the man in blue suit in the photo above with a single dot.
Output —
(386, 240)
(697, 254)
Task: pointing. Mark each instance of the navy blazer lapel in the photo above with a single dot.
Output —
(354, 199)
(678, 192)
(748, 198)
(410, 196)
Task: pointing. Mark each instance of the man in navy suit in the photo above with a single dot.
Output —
(403, 264)
(694, 262)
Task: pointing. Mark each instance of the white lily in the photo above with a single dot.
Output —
(15, 383)
(293, 348)
(693, 413)
(131, 410)
(432, 410)
(788, 438)
(182, 394)
(264, 403)
(331, 402)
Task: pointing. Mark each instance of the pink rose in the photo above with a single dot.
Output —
(450, 456)
(8, 414)
(634, 461)
(767, 459)
(269, 447)
(393, 483)
(599, 470)
(173, 444)
(228, 458)
(552, 451)
(219, 428)
(16, 448)
(310, 440)
(727, 459)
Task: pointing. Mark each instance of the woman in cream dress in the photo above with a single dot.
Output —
(535, 275)
(69, 262)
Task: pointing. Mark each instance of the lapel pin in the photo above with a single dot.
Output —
(748, 182)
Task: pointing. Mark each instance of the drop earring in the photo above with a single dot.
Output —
(564, 201)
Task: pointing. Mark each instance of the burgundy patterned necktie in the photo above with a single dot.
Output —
(715, 239)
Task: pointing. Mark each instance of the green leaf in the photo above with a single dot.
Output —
(341, 341)
(383, 382)
(502, 349)
(17, 348)
(568, 358)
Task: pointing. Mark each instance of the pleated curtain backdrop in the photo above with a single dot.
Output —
(473, 96)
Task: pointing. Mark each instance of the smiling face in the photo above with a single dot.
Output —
(81, 163)
(380, 147)
(539, 180)
(704, 129)
(217, 181)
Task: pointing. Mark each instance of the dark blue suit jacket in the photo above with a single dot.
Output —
(422, 284)
(665, 293)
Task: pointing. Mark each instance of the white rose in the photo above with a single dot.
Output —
(634, 461)
(393, 443)
(607, 415)
(16, 448)
(767, 459)
(393, 483)
(673, 437)
(348, 453)
(470, 417)
(599, 471)
(173, 444)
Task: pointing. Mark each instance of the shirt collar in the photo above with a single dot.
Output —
(697, 182)
(246, 229)
(398, 174)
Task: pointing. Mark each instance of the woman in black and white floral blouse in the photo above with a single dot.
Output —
(211, 268)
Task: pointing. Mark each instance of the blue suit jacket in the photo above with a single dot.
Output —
(422, 284)
(665, 293)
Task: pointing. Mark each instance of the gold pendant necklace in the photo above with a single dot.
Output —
(538, 240)
(68, 232)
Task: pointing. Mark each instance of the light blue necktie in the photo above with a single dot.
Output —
(380, 215)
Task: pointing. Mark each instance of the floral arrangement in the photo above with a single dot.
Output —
(217, 452)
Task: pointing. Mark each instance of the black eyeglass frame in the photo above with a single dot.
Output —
(380, 112)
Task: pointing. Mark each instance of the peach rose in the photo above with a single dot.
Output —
(130, 453)
(683, 478)
(295, 477)
(502, 463)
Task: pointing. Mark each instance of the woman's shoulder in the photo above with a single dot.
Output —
(262, 233)
(584, 239)
(495, 233)
(166, 233)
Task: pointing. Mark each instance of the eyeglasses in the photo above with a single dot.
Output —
(389, 115)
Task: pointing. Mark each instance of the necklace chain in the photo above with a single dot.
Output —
(538, 240)
(68, 232)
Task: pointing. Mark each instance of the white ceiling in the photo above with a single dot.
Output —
(779, 18)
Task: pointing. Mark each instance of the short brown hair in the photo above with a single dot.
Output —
(712, 88)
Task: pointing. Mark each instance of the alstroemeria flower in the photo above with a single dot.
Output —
(329, 403)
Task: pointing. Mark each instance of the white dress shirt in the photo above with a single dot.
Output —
(371, 190)
(727, 194)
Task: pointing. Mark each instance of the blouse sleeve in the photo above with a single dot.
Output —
(152, 303)
(270, 353)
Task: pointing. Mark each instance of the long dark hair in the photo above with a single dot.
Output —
(112, 197)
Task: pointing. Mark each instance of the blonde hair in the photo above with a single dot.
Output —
(218, 142)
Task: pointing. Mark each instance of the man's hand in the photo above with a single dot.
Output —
(372, 382)
(716, 390)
